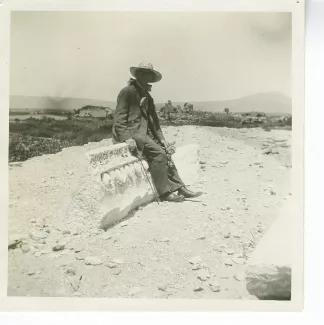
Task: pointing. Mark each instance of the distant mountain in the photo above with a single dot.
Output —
(38, 103)
(270, 102)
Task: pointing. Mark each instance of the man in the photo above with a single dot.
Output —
(136, 123)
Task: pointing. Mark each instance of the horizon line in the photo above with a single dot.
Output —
(158, 102)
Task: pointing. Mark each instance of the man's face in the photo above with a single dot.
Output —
(144, 77)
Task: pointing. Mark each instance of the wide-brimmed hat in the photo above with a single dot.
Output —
(156, 76)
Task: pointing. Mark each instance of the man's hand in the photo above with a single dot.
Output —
(131, 144)
(170, 147)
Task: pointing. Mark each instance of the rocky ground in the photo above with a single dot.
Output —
(171, 250)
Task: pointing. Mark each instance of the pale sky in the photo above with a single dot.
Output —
(201, 56)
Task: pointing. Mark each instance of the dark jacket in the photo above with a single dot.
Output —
(131, 119)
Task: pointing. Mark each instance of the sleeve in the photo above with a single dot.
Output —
(157, 125)
(121, 116)
(160, 134)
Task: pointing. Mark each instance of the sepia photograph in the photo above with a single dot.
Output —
(150, 155)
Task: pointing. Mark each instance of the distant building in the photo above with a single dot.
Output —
(94, 111)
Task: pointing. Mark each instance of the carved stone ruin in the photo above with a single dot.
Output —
(115, 183)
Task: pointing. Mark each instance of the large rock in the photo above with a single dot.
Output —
(186, 159)
(268, 275)
(115, 183)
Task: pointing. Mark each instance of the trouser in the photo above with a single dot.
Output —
(166, 179)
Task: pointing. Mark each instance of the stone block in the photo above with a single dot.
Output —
(116, 182)
(268, 275)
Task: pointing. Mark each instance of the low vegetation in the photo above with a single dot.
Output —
(171, 115)
(35, 136)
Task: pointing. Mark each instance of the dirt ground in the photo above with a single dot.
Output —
(171, 250)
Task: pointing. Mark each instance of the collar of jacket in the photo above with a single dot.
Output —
(139, 88)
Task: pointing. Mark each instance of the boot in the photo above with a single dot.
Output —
(187, 193)
(172, 197)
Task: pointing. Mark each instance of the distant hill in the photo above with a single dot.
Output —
(36, 104)
(270, 102)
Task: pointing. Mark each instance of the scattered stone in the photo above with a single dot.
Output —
(40, 224)
(165, 240)
(111, 265)
(33, 220)
(218, 249)
(162, 287)
(16, 240)
(117, 261)
(66, 232)
(47, 230)
(203, 275)
(30, 273)
(12, 244)
(239, 260)
(260, 229)
(106, 236)
(37, 235)
(214, 286)
(93, 260)
(203, 265)
(198, 289)
(38, 246)
(272, 192)
(80, 256)
(37, 254)
(77, 249)
(228, 262)
(124, 224)
(46, 251)
(75, 232)
(95, 232)
(70, 271)
(236, 235)
(201, 238)
(267, 151)
(58, 247)
(37, 274)
(134, 291)
(196, 267)
(25, 248)
(195, 260)
(227, 235)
